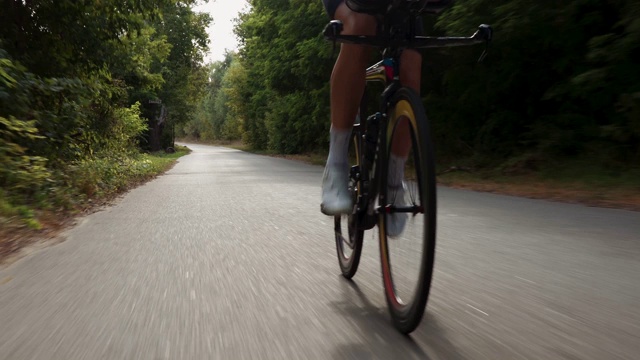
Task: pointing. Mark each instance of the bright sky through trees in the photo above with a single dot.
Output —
(221, 31)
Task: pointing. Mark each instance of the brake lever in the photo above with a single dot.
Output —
(486, 32)
(331, 32)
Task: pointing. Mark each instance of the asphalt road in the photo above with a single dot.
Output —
(227, 256)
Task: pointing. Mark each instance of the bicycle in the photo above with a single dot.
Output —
(370, 149)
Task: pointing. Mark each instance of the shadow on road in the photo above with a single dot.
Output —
(380, 340)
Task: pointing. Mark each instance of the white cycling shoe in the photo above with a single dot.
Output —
(336, 198)
(396, 222)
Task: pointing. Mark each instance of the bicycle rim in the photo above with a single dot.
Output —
(407, 255)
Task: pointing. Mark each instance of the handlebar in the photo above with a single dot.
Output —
(332, 31)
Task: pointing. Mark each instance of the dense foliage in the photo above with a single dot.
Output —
(561, 83)
(85, 84)
(275, 92)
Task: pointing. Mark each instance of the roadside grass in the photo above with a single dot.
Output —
(315, 158)
(83, 188)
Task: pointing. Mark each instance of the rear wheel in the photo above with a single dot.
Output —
(347, 232)
(407, 218)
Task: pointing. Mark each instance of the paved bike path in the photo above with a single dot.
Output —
(228, 257)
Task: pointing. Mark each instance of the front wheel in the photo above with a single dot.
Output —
(407, 212)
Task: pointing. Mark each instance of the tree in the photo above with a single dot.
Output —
(287, 65)
(183, 72)
(73, 75)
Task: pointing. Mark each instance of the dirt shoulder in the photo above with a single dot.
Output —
(576, 193)
(17, 241)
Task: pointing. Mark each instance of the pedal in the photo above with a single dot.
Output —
(485, 32)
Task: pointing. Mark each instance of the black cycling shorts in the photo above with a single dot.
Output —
(332, 5)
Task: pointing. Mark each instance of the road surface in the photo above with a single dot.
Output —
(227, 256)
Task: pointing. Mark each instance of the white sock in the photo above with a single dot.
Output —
(396, 170)
(338, 147)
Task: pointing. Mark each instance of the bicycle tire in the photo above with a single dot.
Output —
(349, 264)
(408, 312)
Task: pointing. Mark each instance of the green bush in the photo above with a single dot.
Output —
(20, 171)
(126, 130)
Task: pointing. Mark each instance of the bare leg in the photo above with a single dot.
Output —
(410, 74)
(347, 86)
(410, 69)
(348, 76)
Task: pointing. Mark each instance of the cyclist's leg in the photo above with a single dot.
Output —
(347, 86)
(348, 76)
(410, 72)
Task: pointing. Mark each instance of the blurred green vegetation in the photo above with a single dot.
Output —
(560, 89)
(86, 89)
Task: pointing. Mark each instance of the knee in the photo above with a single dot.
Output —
(360, 24)
(355, 23)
